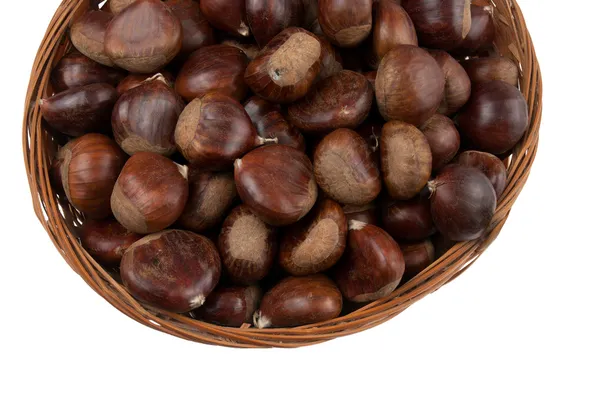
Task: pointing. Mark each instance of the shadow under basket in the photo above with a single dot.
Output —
(60, 220)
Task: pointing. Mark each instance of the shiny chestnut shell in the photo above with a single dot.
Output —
(88, 35)
(417, 257)
(457, 89)
(392, 27)
(75, 70)
(227, 15)
(484, 69)
(269, 17)
(408, 220)
(230, 306)
(346, 23)
(106, 240)
(482, 32)
(332, 61)
(488, 164)
(134, 80)
(443, 139)
(365, 213)
(196, 31)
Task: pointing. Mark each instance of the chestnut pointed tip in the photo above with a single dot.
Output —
(184, 170)
(41, 102)
(260, 321)
(197, 302)
(237, 164)
(244, 30)
(356, 225)
(268, 141)
(157, 77)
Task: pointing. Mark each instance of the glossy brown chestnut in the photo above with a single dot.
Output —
(346, 23)
(227, 15)
(211, 195)
(332, 61)
(409, 85)
(298, 301)
(443, 139)
(230, 306)
(492, 69)
(286, 67)
(196, 31)
(134, 80)
(144, 118)
(251, 50)
(417, 257)
(311, 13)
(372, 266)
(173, 270)
(277, 182)
(218, 68)
(482, 32)
(150, 193)
(271, 124)
(269, 17)
(106, 240)
(215, 130)
(408, 220)
(80, 110)
(116, 6)
(392, 27)
(488, 164)
(441, 24)
(463, 202)
(247, 245)
(345, 168)
(340, 101)
(88, 35)
(458, 85)
(406, 159)
(366, 213)
(89, 189)
(315, 243)
(154, 42)
(495, 118)
(75, 70)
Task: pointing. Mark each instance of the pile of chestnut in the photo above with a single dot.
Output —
(259, 161)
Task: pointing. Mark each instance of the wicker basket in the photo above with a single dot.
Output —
(60, 220)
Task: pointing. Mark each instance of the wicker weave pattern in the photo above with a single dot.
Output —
(59, 219)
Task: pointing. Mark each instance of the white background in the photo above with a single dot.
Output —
(521, 324)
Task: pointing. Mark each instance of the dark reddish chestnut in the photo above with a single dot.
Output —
(268, 18)
(443, 139)
(371, 77)
(218, 68)
(332, 61)
(227, 15)
(495, 118)
(372, 266)
(298, 301)
(345, 168)
(441, 24)
(88, 35)
(247, 245)
(346, 23)
(417, 257)
(366, 213)
(251, 50)
(75, 70)
(211, 195)
(458, 85)
(340, 101)
(144, 37)
(488, 164)
(134, 80)
(230, 306)
(144, 118)
(287, 67)
(89, 189)
(277, 182)
(315, 243)
(463, 202)
(406, 159)
(106, 240)
(80, 110)
(311, 13)
(408, 220)
(482, 32)
(409, 85)
(392, 27)
(492, 69)
(196, 31)
(150, 193)
(215, 130)
(173, 270)
(116, 6)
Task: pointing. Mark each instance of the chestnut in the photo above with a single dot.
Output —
(443, 139)
(80, 110)
(277, 182)
(315, 243)
(392, 27)
(408, 220)
(345, 168)
(340, 101)
(210, 197)
(441, 24)
(458, 85)
(269, 17)
(106, 240)
(227, 15)
(196, 31)
(417, 257)
(271, 124)
(144, 118)
(89, 189)
(251, 50)
(230, 306)
(409, 85)
(75, 70)
(214, 130)
(365, 213)
(88, 35)
(406, 159)
(116, 6)
(298, 301)
(311, 13)
(492, 69)
(134, 80)
(218, 68)
(346, 23)
(371, 77)
(495, 118)
(482, 32)
(286, 67)
(463, 202)
(173, 270)
(372, 266)
(488, 164)
(150, 193)
(144, 37)
(332, 61)
(247, 245)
